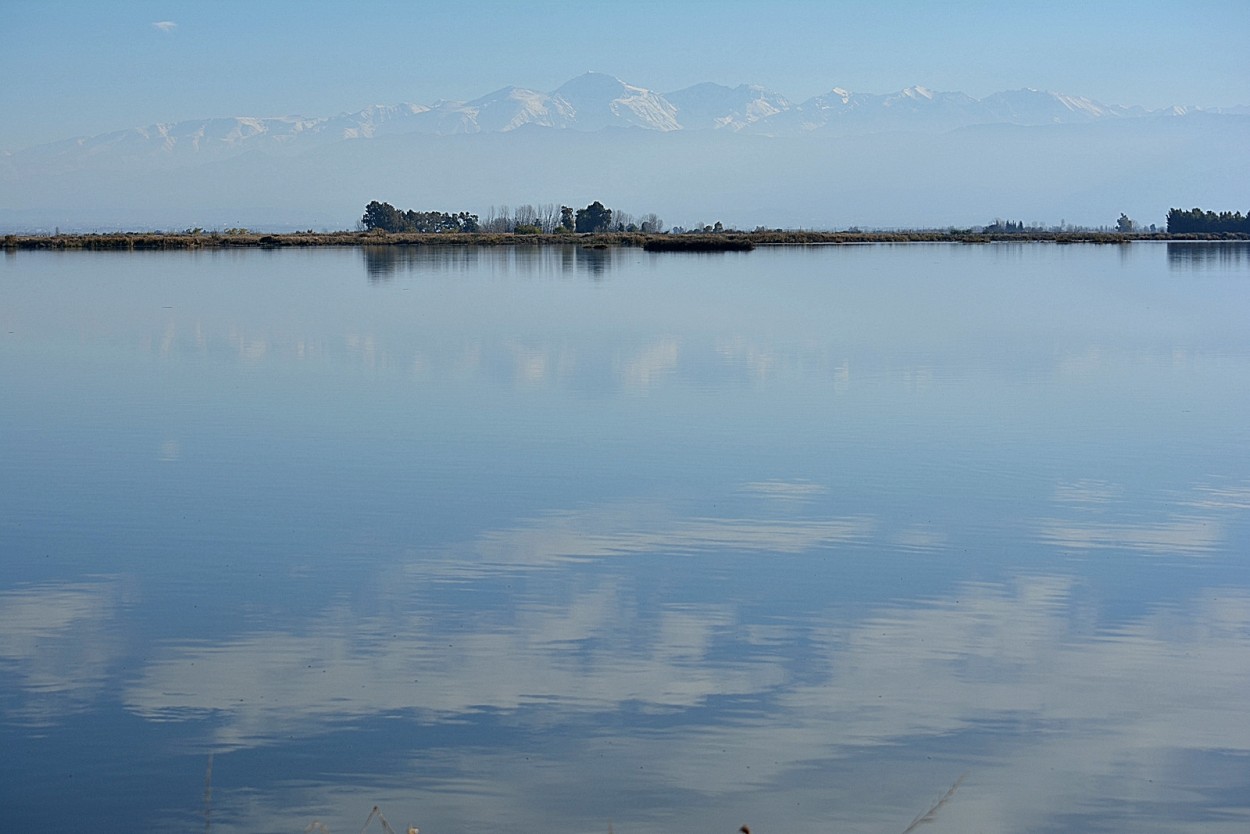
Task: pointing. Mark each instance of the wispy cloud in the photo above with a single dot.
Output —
(1221, 498)
(1190, 536)
(784, 490)
(579, 535)
(58, 645)
(1089, 493)
(165, 25)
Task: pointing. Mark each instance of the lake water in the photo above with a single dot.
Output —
(574, 540)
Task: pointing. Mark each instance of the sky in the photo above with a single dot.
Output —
(83, 68)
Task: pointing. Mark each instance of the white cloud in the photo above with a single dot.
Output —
(165, 25)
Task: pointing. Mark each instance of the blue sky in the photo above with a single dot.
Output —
(82, 68)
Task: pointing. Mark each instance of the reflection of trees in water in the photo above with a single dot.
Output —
(1209, 254)
(385, 262)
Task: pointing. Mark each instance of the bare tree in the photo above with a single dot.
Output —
(549, 216)
(498, 219)
(525, 215)
(650, 223)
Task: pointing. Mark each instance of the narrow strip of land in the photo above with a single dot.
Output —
(130, 241)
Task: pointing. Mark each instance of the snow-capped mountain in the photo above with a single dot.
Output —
(589, 102)
(843, 112)
(1037, 107)
(512, 107)
(594, 101)
(374, 121)
(938, 155)
(921, 109)
(715, 106)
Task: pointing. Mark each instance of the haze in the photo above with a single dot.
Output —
(81, 69)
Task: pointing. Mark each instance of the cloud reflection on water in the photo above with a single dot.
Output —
(58, 644)
(590, 645)
(1193, 523)
(772, 715)
(574, 535)
(1071, 710)
(261, 687)
(1191, 536)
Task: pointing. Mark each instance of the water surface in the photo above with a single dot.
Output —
(563, 539)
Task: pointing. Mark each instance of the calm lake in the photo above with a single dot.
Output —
(571, 541)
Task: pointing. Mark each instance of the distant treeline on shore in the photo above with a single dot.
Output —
(1197, 221)
(596, 225)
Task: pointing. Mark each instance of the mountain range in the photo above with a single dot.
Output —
(594, 101)
(748, 123)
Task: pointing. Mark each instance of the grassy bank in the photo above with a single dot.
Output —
(136, 241)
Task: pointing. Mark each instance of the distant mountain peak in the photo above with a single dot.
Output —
(597, 100)
(935, 156)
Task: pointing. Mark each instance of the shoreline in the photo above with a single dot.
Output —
(132, 241)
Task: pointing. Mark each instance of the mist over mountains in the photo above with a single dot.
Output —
(744, 155)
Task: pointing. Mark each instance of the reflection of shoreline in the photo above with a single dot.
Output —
(1208, 254)
(385, 262)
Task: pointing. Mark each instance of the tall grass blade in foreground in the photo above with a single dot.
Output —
(386, 826)
(931, 814)
(208, 796)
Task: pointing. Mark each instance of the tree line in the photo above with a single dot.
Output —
(386, 217)
(524, 219)
(1197, 220)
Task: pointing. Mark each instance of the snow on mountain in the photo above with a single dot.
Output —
(715, 106)
(512, 107)
(911, 109)
(163, 145)
(373, 121)
(596, 101)
(589, 102)
(1038, 107)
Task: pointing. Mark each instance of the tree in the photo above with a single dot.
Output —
(594, 218)
(525, 215)
(1197, 220)
(566, 218)
(382, 216)
(549, 218)
(498, 219)
(385, 217)
(651, 223)
(1125, 224)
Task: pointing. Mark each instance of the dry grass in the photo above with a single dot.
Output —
(699, 243)
(139, 241)
(316, 827)
(208, 795)
(931, 814)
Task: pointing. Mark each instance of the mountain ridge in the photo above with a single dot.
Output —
(594, 101)
(744, 155)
